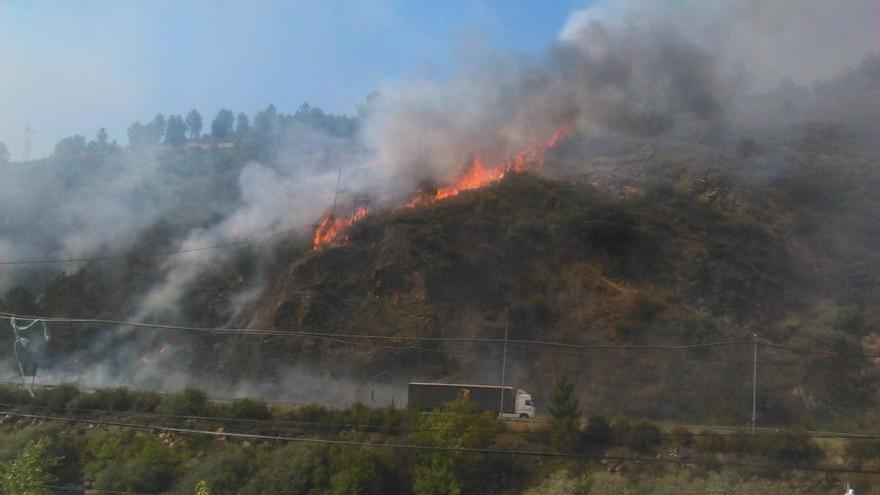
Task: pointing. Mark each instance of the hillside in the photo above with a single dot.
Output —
(662, 260)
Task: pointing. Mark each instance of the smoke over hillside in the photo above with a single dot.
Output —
(618, 71)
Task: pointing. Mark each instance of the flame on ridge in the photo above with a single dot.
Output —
(478, 174)
(328, 231)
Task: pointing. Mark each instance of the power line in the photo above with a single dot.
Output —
(346, 338)
(435, 448)
(50, 261)
(81, 489)
(703, 430)
(281, 333)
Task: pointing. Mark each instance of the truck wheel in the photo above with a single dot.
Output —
(523, 416)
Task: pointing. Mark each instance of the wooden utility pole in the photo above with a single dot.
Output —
(504, 363)
(754, 381)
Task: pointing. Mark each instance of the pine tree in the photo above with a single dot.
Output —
(565, 416)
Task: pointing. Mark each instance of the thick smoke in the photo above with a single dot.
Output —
(636, 68)
(801, 40)
(632, 79)
(56, 209)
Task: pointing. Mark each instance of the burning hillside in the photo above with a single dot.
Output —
(478, 174)
(332, 228)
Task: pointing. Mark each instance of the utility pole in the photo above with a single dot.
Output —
(504, 363)
(336, 194)
(754, 380)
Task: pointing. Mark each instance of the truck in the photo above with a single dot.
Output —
(508, 401)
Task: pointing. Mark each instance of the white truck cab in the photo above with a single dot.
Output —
(524, 406)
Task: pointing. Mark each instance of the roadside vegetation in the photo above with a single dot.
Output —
(457, 449)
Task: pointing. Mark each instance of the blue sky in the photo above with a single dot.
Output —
(71, 67)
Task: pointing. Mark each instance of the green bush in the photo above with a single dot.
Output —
(189, 402)
(145, 401)
(863, 450)
(291, 470)
(565, 416)
(10, 394)
(793, 445)
(709, 441)
(249, 409)
(31, 470)
(56, 397)
(599, 431)
(224, 472)
(129, 461)
(682, 437)
(357, 472)
(118, 399)
(641, 436)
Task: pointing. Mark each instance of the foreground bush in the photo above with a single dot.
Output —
(189, 402)
(641, 436)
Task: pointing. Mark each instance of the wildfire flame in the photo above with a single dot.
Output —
(478, 174)
(331, 227)
(148, 359)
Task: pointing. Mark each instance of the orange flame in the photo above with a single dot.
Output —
(478, 174)
(331, 227)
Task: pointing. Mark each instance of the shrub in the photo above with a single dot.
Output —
(292, 470)
(114, 399)
(564, 416)
(793, 445)
(642, 437)
(560, 483)
(599, 431)
(189, 402)
(249, 409)
(709, 441)
(357, 471)
(31, 470)
(129, 461)
(225, 471)
(145, 401)
(863, 450)
(56, 397)
(13, 395)
(682, 437)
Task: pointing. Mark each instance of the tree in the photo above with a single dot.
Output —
(242, 125)
(71, 146)
(4, 153)
(101, 143)
(175, 131)
(459, 425)
(31, 472)
(221, 127)
(564, 416)
(102, 138)
(357, 472)
(155, 130)
(293, 470)
(194, 124)
(202, 488)
(136, 134)
(264, 121)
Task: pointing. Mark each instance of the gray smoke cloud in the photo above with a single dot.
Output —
(638, 80)
(801, 40)
(633, 67)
